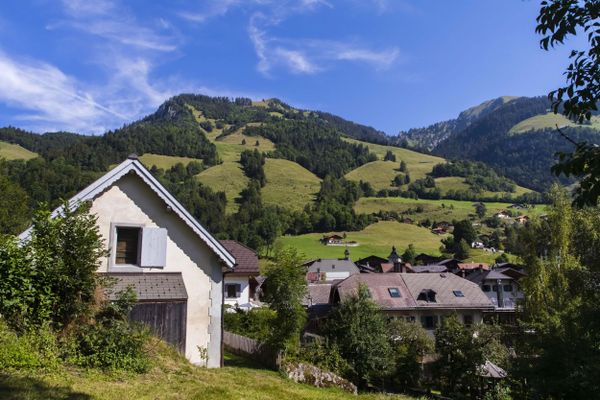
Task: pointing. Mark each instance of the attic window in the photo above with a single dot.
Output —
(394, 292)
(427, 295)
(127, 246)
(458, 293)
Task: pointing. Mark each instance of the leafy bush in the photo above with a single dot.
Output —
(255, 323)
(111, 345)
(34, 349)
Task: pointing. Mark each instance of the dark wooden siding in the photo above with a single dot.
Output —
(166, 319)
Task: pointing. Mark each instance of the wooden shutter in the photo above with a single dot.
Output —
(154, 247)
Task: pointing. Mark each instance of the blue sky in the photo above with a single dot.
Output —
(89, 66)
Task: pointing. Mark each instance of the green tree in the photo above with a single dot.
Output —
(464, 230)
(559, 20)
(14, 210)
(462, 250)
(480, 210)
(286, 287)
(403, 167)
(409, 343)
(389, 156)
(357, 327)
(409, 254)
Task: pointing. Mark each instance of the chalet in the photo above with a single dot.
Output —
(371, 263)
(241, 283)
(332, 240)
(522, 219)
(439, 231)
(422, 298)
(502, 215)
(424, 259)
(445, 225)
(464, 269)
(501, 286)
(156, 247)
(330, 269)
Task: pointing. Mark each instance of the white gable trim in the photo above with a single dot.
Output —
(132, 165)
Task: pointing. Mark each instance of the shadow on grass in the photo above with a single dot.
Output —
(235, 360)
(26, 388)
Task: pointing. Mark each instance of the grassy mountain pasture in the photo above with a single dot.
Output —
(172, 378)
(418, 164)
(289, 185)
(458, 183)
(378, 173)
(550, 120)
(227, 177)
(11, 151)
(435, 210)
(375, 239)
(164, 162)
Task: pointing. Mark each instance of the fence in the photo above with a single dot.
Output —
(245, 346)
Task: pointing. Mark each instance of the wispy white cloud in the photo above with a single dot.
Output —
(215, 8)
(53, 100)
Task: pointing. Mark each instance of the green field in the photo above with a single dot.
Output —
(227, 177)
(435, 210)
(550, 120)
(418, 165)
(11, 151)
(164, 162)
(458, 183)
(172, 378)
(375, 239)
(289, 185)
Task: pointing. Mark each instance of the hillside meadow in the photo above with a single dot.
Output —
(11, 151)
(171, 378)
(375, 239)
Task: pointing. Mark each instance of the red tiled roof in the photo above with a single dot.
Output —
(246, 258)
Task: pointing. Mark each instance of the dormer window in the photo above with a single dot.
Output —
(394, 292)
(427, 295)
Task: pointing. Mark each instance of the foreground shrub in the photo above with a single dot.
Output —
(111, 345)
(255, 323)
(27, 350)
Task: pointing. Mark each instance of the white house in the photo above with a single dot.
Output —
(241, 284)
(158, 248)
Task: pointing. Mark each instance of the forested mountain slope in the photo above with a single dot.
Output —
(515, 136)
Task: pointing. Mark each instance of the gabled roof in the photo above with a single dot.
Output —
(246, 258)
(410, 285)
(333, 265)
(133, 166)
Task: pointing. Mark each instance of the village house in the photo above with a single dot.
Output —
(522, 219)
(502, 215)
(241, 284)
(156, 247)
(422, 298)
(332, 240)
(330, 269)
(501, 286)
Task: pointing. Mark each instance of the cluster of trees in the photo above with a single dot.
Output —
(478, 175)
(253, 164)
(49, 287)
(459, 243)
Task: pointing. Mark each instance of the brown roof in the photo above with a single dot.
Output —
(468, 266)
(149, 286)
(245, 258)
(410, 285)
(317, 294)
(379, 285)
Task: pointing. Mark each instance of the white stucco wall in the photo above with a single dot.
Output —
(131, 201)
(510, 298)
(244, 296)
(459, 313)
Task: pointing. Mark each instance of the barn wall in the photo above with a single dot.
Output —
(166, 319)
(131, 201)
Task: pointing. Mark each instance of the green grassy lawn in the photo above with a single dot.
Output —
(378, 173)
(289, 185)
(435, 210)
(227, 177)
(418, 164)
(11, 151)
(375, 239)
(550, 120)
(173, 378)
(165, 162)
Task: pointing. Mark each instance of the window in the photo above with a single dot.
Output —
(427, 295)
(232, 290)
(137, 246)
(508, 288)
(458, 293)
(429, 322)
(495, 288)
(394, 292)
(127, 250)
(468, 319)
(486, 288)
(410, 319)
